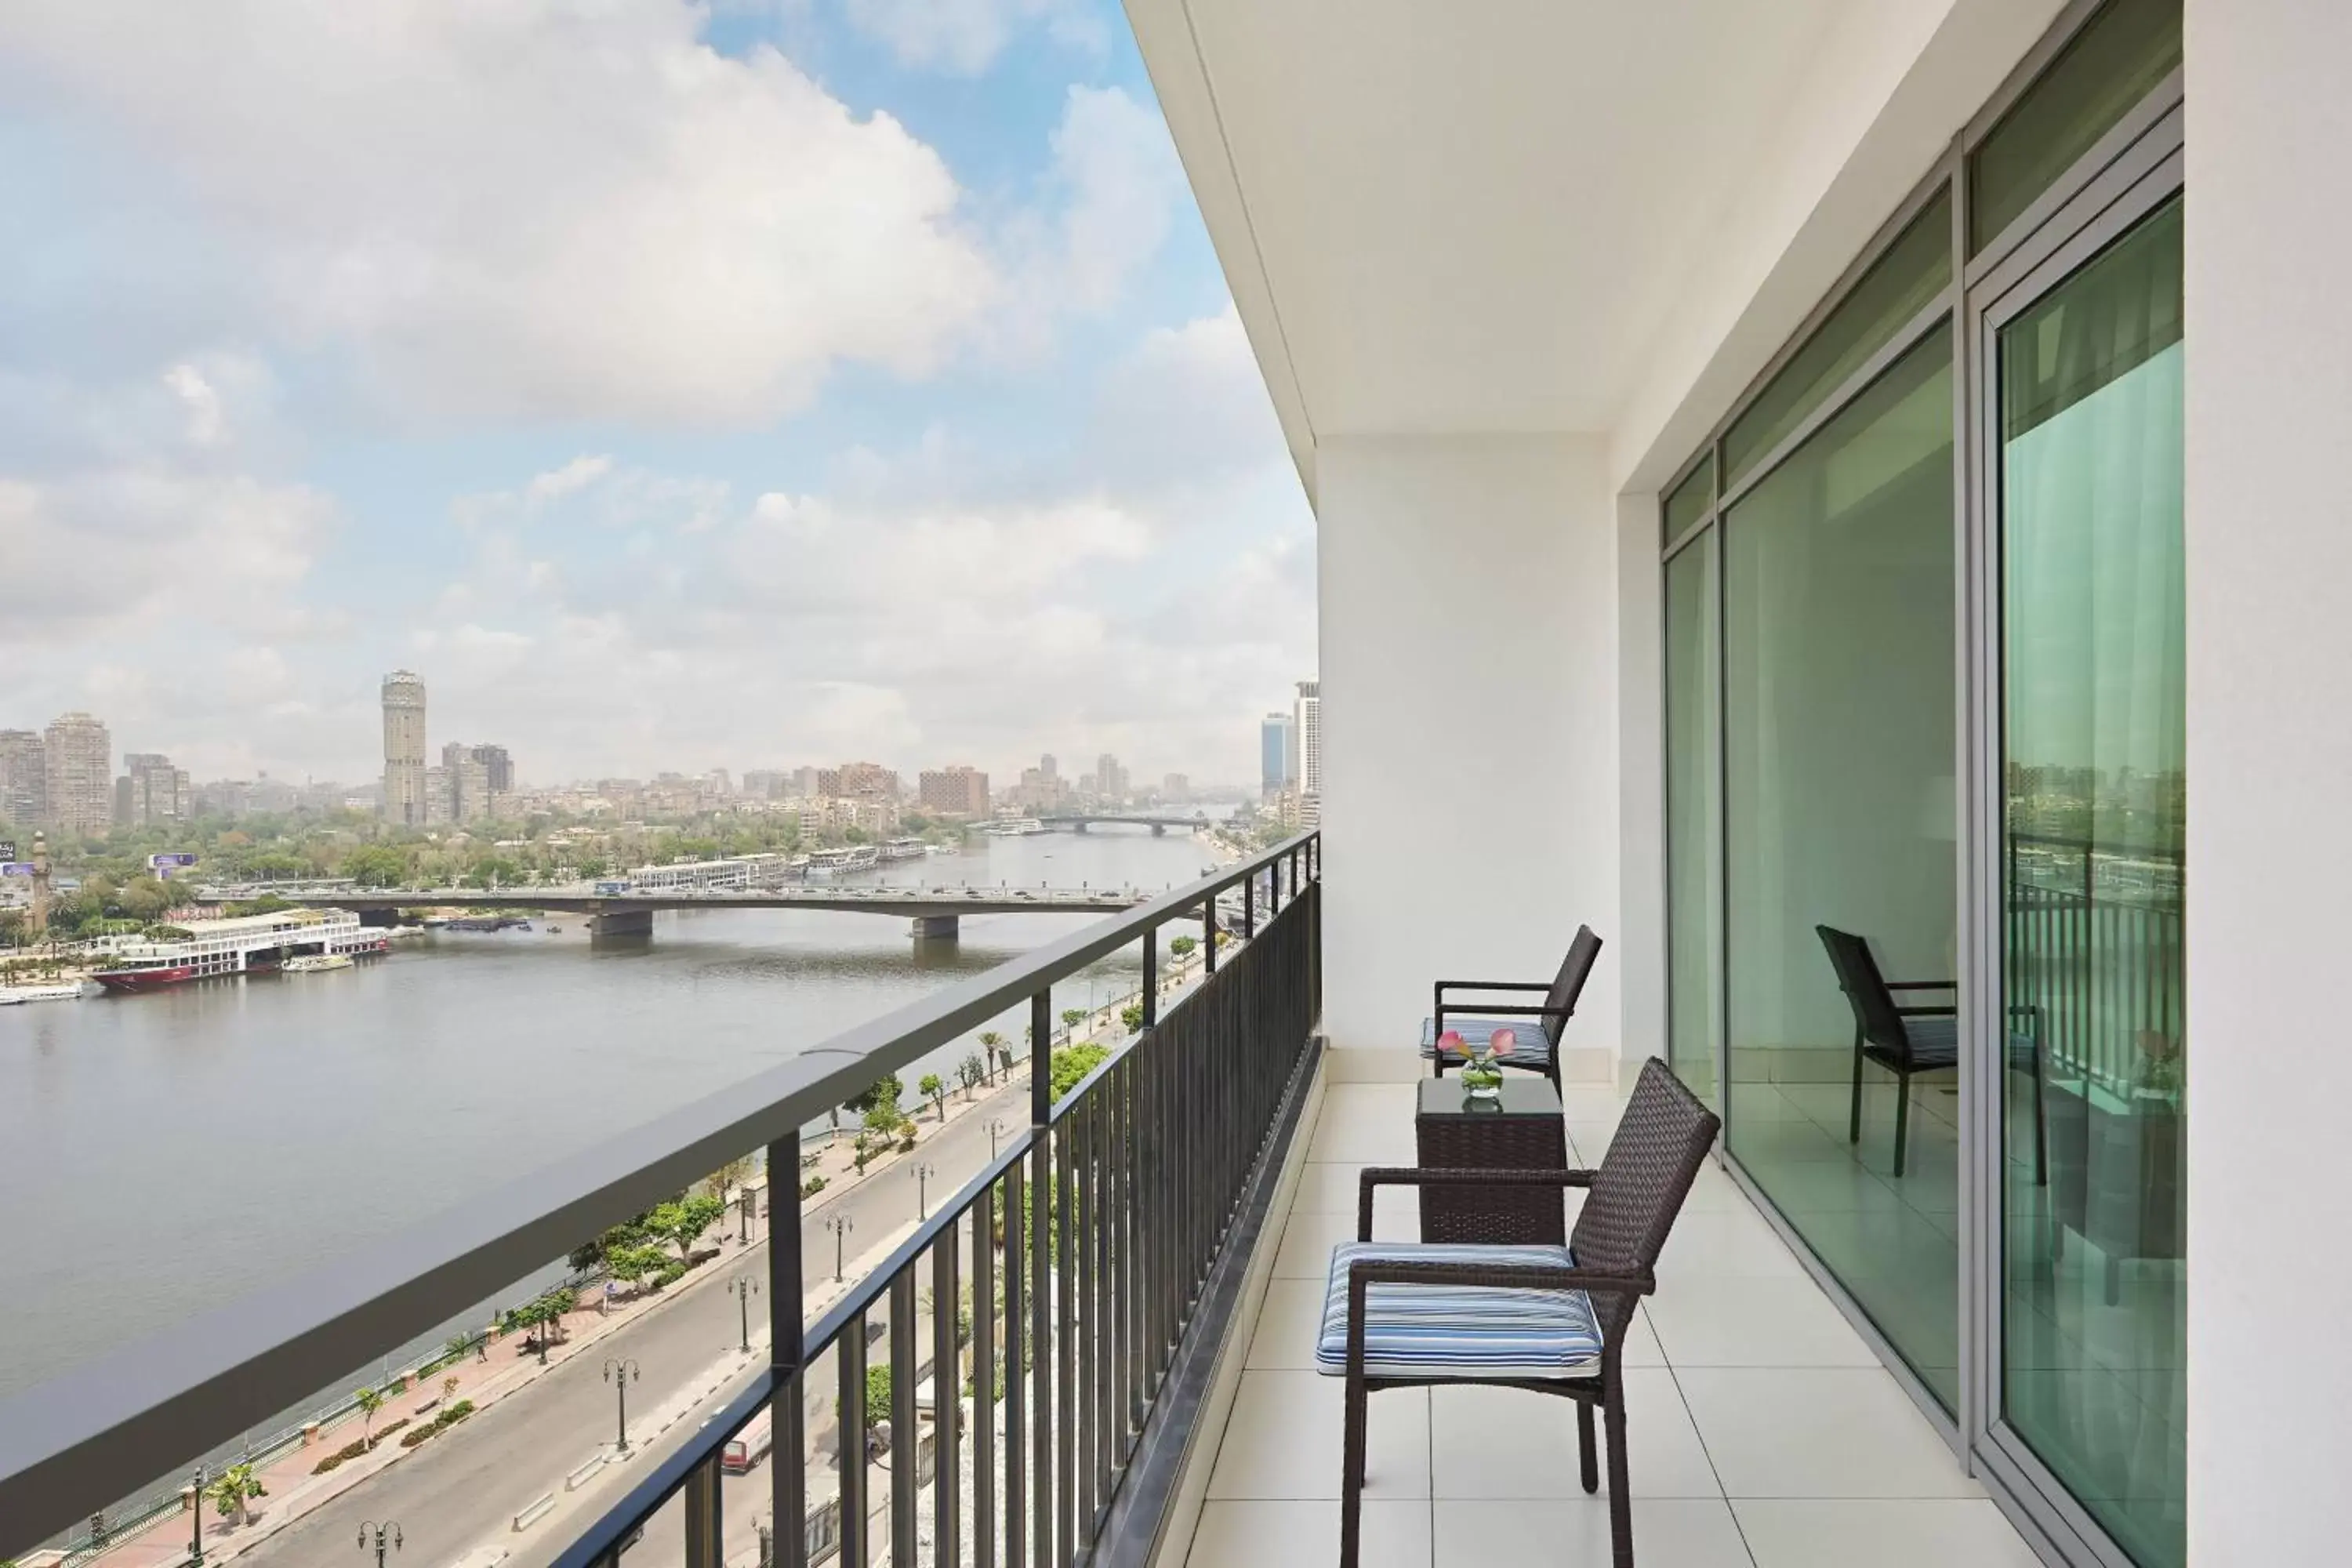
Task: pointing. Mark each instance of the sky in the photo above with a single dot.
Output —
(751, 384)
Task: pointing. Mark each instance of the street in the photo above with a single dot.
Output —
(464, 1488)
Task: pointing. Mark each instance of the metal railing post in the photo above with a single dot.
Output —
(849, 1362)
(787, 1355)
(1044, 1223)
(1209, 933)
(947, 1348)
(905, 1443)
(1150, 976)
(703, 1525)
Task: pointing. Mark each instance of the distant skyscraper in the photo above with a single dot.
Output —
(1307, 729)
(1110, 779)
(1047, 768)
(1176, 789)
(150, 791)
(24, 780)
(404, 750)
(77, 758)
(500, 767)
(957, 791)
(1276, 751)
(439, 804)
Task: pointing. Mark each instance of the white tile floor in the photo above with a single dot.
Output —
(1762, 1432)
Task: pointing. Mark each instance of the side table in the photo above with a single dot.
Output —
(1524, 1132)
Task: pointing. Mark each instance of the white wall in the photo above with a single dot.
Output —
(2270, 757)
(1641, 935)
(1469, 666)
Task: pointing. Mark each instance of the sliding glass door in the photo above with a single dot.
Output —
(2086, 368)
(1694, 815)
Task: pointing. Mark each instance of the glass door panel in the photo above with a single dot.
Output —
(2092, 616)
(1694, 815)
(1839, 734)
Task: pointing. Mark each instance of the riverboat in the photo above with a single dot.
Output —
(16, 996)
(317, 962)
(826, 864)
(226, 948)
(903, 849)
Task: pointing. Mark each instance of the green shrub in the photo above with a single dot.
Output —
(813, 1186)
(670, 1274)
(439, 1424)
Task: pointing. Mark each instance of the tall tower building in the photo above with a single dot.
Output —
(77, 758)
(404, 749)
(1307, 729)
(1275, 752)
(23, 779)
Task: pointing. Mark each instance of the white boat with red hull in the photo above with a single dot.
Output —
(227, 948)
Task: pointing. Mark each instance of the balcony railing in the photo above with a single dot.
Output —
(1102, 1244)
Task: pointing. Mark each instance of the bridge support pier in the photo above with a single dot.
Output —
(1158, 830)
(379, 919)
(938, 928)
(621, 922)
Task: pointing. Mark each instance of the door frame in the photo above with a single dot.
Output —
(2148, 174)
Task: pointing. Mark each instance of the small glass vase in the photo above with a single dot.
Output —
(1482, 1081)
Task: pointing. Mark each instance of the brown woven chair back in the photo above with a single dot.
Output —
(1660, 1142)
(1568, 984)
(1859, 977)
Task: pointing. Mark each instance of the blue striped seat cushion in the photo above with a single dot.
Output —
(1463, 1330)
(1936, 1042)
(1530, 1046)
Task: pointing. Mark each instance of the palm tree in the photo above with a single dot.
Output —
(993, 1043)
(369, 1401)
(231, 1493)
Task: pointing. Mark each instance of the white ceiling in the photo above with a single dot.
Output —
(1444, 216)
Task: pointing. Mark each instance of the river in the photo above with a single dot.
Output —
(168, 1152)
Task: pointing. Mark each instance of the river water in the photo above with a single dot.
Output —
(164, 1153)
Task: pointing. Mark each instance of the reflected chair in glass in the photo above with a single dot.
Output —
(1476, 1021)
(1545, 1319)
(1907, 1040)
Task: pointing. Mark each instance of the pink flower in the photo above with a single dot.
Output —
(1501, 1041)
(1450, 1042)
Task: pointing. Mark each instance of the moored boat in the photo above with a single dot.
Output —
(65, 991)
(316, 963)
(227, 948)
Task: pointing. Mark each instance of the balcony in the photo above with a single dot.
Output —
(1763, 1431)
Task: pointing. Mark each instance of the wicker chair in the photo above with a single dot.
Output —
(1549, 1320)
(1918, 1039)
(1535, 1050)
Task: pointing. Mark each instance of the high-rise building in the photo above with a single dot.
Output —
(150, 790)
(766, 784)
(404, 750)
(1047, 767)
(957, 791)
(23, 779)
(78, 764)
(500, 767)
(438, 802)
(1275, 749)
(1110, 779)
(1176, 789)
(857, 781)
(1306, 727)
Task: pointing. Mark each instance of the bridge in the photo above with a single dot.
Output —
(936, 913)
(1079, 821)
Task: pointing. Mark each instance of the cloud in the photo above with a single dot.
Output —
(532, 208)
(964, 38)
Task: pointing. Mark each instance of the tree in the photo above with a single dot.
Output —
(1072, 1063)
(377, 865)
(369, 1401)
(1182, 947)
(630, 1264)
(1073, 1016)
(971, 1072)
(731, 1174)
(934, 1090)
(237, 1487)
(884, 1090)
(993, 1043)
(1130, 1017)
(682, 1221)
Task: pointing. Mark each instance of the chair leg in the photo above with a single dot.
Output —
(1902, 1121)
(1854, 1130)
(1620, 1503)
(1587, 1458)
(1351, 1478)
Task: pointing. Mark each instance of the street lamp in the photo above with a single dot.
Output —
(197, 1541)
(619, 1371)
(841, 1224)
(744, 1216)
(743, 1288)
(390, 1526)
(995, 1127)
(922, 1174)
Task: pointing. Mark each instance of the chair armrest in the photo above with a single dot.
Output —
(1409, 1176)
(1445, 985)
(1369, 1271)
(1501, 1010)
(1923, 985)
(1926, 1012)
